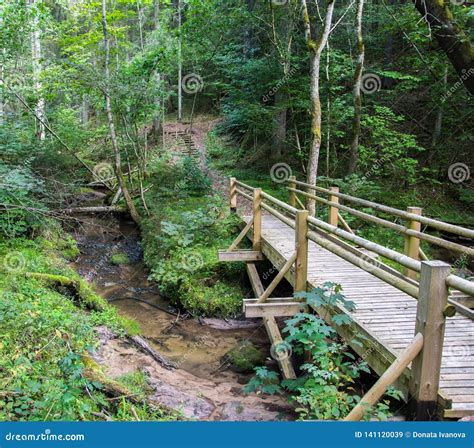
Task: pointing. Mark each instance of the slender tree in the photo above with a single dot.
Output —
(354, 157)
(36, 62)
(316, 48)
(110, 119)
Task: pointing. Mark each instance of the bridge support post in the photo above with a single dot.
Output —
(257, 219)
(301, 243)
(292, 184)
(233, 195)
(333, 216)
(430, 322)
(412, 243)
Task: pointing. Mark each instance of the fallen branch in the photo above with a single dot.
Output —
(142, 345)
(101, 209)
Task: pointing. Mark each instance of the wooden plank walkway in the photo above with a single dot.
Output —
(384, 315)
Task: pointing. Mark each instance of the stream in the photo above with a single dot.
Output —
(202, 386)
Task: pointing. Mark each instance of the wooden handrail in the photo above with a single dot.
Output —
(399, 283)
(396, 227)
(440, 225)
(288, 221)
(281, 204)
(367, 244)
(245, 195)
(460, 284)
(241, 184)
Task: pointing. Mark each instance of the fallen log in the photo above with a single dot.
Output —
(142, 345)
(99, 209)
(82, 292)
(230, 324)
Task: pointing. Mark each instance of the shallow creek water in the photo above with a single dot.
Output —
(195, 348)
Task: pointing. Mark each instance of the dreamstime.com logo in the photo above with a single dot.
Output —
(459, 173)
(281, 351)
(46, 436)
(192, 83)
(280, 173)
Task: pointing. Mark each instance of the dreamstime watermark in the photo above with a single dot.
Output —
(14, 262)
(103, 171)
(369, 264)
(205, 340)
(455, 351)
(371, 83)
(280, 2)
(273, 91)
(46, 436)
(459, 173)
(466, 74)
(192, 262)
(280, 172)
(192, 83)
(280, 351)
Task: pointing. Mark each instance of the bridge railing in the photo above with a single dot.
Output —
(431, 292)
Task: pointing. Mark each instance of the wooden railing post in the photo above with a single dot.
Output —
(333, 217)
(257, 219)
(301, 243)
(233, 194)
(292, 184)
(430, 322)
(412, 243)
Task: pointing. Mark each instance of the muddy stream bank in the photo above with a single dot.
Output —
(202, 386)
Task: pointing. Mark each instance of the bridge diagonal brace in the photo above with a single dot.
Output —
(241, 236)
(286, 367)
(286, 267)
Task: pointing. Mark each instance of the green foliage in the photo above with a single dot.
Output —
(182, 256)
(119, 259)
(326, 390)
(245, 357)
(18, 189)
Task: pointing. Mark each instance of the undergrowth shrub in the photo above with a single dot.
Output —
(327, 388)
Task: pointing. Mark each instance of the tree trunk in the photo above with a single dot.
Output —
(36, 62)
(354, 158)
(316, 48)
(113, 136)
(452, 40)
(157, 125)
(280, 121)
(180, 65)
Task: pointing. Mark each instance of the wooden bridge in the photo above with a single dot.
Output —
(416, 327)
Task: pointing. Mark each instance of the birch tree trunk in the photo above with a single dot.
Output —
(354, 158)
(316, 48)
(113, 136)
(36, 63)
(180, 66)
(157, 117)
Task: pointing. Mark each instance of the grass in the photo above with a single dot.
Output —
(46, 331)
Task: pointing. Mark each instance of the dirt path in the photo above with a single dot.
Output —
(200, 128)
